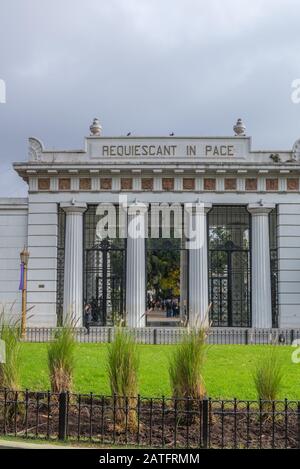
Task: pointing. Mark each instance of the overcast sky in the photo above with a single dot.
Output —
(147, 66)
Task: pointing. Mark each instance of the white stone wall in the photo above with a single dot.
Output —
(289, 264)
(42, 245)
(13, 237)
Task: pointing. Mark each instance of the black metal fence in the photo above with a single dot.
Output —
(150, 422)
(166, 336)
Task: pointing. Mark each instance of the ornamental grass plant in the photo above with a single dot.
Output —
(122, 368)
(61, 357)
(268, 374)
(186, 364)
(10, 334)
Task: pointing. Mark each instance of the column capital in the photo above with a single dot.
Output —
(73, 207)
(260, 209)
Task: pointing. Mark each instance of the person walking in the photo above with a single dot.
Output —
(87, 317)
(175, 308)
(169, 308)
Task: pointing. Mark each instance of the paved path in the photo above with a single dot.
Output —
(8, 444)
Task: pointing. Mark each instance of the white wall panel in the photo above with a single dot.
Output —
(41, 264)
(43, 315)
(289, 298)
(41, 286)
(42, 243)
(288, 241)
(43, 252)
(42, 230)
(42, 208)
(291, 286)
(289, 265)
(287, 209)
(8, 218)
(13, 236)
(285, 252)
(289, 230)
(42, 219)
(34, 297)
(42, 275)
(290, 219)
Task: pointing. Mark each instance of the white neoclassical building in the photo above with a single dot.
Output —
(243, 204)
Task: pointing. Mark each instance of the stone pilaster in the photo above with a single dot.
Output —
(73, 270)
(261, 266)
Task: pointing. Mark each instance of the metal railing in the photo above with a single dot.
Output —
(165, 336)
(150, 422)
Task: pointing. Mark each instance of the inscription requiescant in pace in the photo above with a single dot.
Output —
(167, 150)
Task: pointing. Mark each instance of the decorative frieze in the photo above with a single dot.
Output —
(126, 184)
(209, 184)
(168, 184)
(147, 184)
(106, 184)
(188, 184)
(251, 184)
(292, 184)
(219, 184)
(85, 184)
(271, 184)
(44, 184)
(230, 184)
(64, 184)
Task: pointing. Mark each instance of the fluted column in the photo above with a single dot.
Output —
(261, 266)
(136, 266)
(198, 262)
(73, 269)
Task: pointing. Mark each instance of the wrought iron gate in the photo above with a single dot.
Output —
(229, 266)
(229, 286)
(105, 282)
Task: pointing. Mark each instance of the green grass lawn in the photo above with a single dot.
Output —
(227, 371)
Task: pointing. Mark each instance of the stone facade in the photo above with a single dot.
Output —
(178, 170)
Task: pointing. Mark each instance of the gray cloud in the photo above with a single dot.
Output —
(148, 66)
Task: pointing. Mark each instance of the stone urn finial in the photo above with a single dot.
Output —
(95, 128)
(239, 128)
